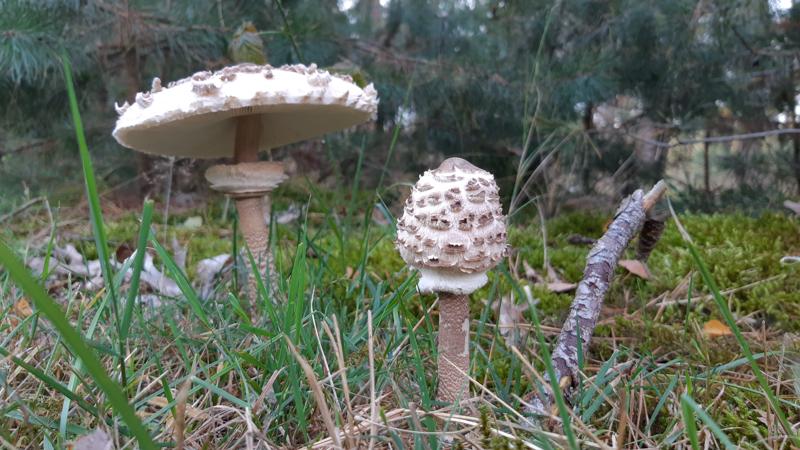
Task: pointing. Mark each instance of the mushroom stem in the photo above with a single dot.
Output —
(251, 208)
(248, 136)
(453, 347)
(254, 230)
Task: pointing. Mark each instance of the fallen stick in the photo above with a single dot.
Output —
(591, 292)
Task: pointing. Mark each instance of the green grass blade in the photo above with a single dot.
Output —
(222, 393)
(96, 213)
(183, 283)
(297, 292)
(661, 401)
(689, 426)
(52, 311)
(710, 423)
(266, 295)
(138, 262)
(77, 367)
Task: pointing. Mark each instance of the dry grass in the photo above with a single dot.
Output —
(357, 373)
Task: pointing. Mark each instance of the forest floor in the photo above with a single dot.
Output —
(204, 367)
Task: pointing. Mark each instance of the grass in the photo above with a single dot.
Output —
(234, 364)
(353, 348)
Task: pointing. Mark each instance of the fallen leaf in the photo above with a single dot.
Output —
(23, 308)
(289, 215)
(714, 328)
(790, 260)
(207, 271)
(124, 251)
(511, 320)
(193, 223)
(530, 273)
(552, 274)
(636, 267)
(96, 440)
(794, 206)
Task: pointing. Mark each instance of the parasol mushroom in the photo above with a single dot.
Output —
(453, 231)
(236, 112)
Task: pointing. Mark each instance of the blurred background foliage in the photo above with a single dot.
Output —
(573, 103)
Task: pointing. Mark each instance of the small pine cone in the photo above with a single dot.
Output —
(648, 237)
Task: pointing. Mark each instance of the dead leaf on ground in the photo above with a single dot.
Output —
(714, 328)
(794, 206)
(636, 267)
(531, 273)
(123, 252)
(552, 275)
(96, 440)
(23, 308)
(511, 320)
(553, 281)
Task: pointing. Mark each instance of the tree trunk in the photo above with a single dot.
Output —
(144, 162)
(796, 145)
(706, 167)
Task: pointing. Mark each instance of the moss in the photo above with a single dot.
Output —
(552, 304)
(738, 249)
(741, 419)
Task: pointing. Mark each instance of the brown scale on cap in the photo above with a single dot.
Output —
(452, 215)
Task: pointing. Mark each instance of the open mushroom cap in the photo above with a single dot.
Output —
(195, 116)
(453, 228)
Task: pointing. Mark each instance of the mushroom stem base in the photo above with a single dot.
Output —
(256, 235)
(453, 364)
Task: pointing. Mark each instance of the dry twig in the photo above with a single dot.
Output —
(578, 328)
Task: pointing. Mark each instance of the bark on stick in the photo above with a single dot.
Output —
(591, 292)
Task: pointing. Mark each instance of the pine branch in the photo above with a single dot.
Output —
(715, 139)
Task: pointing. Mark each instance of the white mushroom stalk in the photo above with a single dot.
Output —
(237, 112)
(453, 231)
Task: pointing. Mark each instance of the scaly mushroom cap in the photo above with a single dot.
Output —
(453, 229)
(194, 117)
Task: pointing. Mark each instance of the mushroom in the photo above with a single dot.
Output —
(236, 112)
(453, 231)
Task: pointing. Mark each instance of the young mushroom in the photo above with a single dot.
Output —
(453, 231)
(237, 112)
